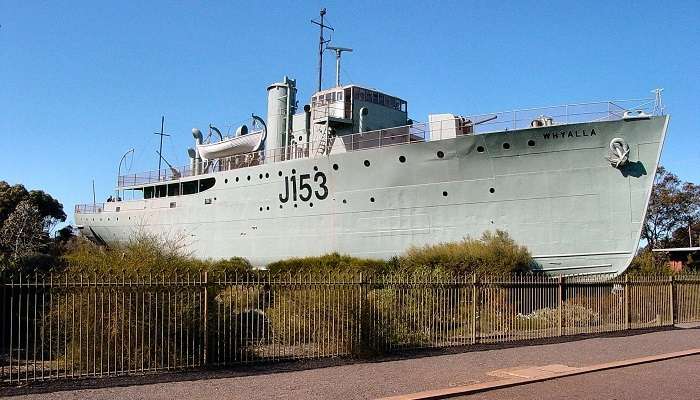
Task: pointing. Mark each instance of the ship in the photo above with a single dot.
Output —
(350, 172)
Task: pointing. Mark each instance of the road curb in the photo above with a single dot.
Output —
(510, 382)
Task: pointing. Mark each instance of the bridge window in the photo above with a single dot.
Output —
(161, 191)
(148, 192)
(208, 183)
(189, 187)
(174, 189)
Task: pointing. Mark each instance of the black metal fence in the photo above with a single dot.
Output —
(61, 326)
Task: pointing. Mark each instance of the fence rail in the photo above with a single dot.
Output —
(78, 326)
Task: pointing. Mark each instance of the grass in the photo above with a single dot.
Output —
(144, 254)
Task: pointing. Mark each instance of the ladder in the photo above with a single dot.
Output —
(325, 142)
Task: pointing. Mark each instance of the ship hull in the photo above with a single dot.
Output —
(551, 188)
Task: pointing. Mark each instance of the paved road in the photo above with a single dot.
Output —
(671, 379)
(393, 377)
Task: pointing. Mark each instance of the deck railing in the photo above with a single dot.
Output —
(93, 208)
(60, 326)
(476, 124)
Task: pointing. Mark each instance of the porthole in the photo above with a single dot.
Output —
(366, 163)
(530, 142)
(506, 146)
(335, 167)
(402, 159)
(226, 180)
(267, 174)
(345, 201)
(371, 199)
(294, 171)
(311, 204)
(280, 206)
(295, 205)
(260, 176)
(260, 208)
(315, 168)
(267, 208)
(117, 218)
(480, 149)
(492, 190)
(440, 154)
(236, 179)
(300, 138)
(279, 173)
(444, 194)
(248, 177)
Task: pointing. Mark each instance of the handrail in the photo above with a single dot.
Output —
(92, 208)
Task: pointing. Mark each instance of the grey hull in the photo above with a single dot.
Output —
(552, 190)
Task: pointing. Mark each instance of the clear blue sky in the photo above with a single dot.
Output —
(81, 82)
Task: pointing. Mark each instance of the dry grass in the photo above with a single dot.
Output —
(144, 254)
(495, 253)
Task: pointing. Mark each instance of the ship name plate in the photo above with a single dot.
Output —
(577, 133)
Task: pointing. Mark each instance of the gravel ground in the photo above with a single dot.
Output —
(373, 379)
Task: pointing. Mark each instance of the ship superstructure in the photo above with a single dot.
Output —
(350, 172)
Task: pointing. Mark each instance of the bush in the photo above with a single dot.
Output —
(332, 262)
(648, 263)
(144, 254)
(493, 254)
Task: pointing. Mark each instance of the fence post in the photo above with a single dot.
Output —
(206, 317)
(475, 309)
(672, 299)
(627, 302)
(560, 305)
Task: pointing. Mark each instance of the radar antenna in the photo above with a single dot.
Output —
(338, 51)
(321, 43)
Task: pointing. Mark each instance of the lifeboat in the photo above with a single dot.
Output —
(242, 143)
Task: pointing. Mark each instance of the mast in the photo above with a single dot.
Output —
(160, 149)
(321, 43)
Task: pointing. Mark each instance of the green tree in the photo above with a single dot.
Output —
(50, 210)
(22, 233)
(27, 218)
(647, 262)
(672, 206)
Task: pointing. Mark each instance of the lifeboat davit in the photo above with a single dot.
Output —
(240, 144)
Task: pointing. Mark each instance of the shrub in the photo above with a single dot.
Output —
(332, 262)
(493, 254)
(144, 253)
(648, 263)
